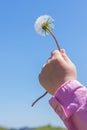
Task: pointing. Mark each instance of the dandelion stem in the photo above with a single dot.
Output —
(54, 38)
(39, 99)
(58, 46)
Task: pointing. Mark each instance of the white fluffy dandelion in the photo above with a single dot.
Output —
(43, 23)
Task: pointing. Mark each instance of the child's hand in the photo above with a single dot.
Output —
(56, 71)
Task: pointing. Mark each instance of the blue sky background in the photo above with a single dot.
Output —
(23, 52)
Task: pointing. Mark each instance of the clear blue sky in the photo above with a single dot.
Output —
(23, 52)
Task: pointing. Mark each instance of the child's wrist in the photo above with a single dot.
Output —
(63, 82)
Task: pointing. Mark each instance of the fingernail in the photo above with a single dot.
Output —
(63, 51)
(43, 65)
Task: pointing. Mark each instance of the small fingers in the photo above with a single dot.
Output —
(66, 58)
(55, 52)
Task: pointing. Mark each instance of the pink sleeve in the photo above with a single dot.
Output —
(70, 103)
(65, 102)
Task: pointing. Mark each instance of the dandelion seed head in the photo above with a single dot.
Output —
(42, 23)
